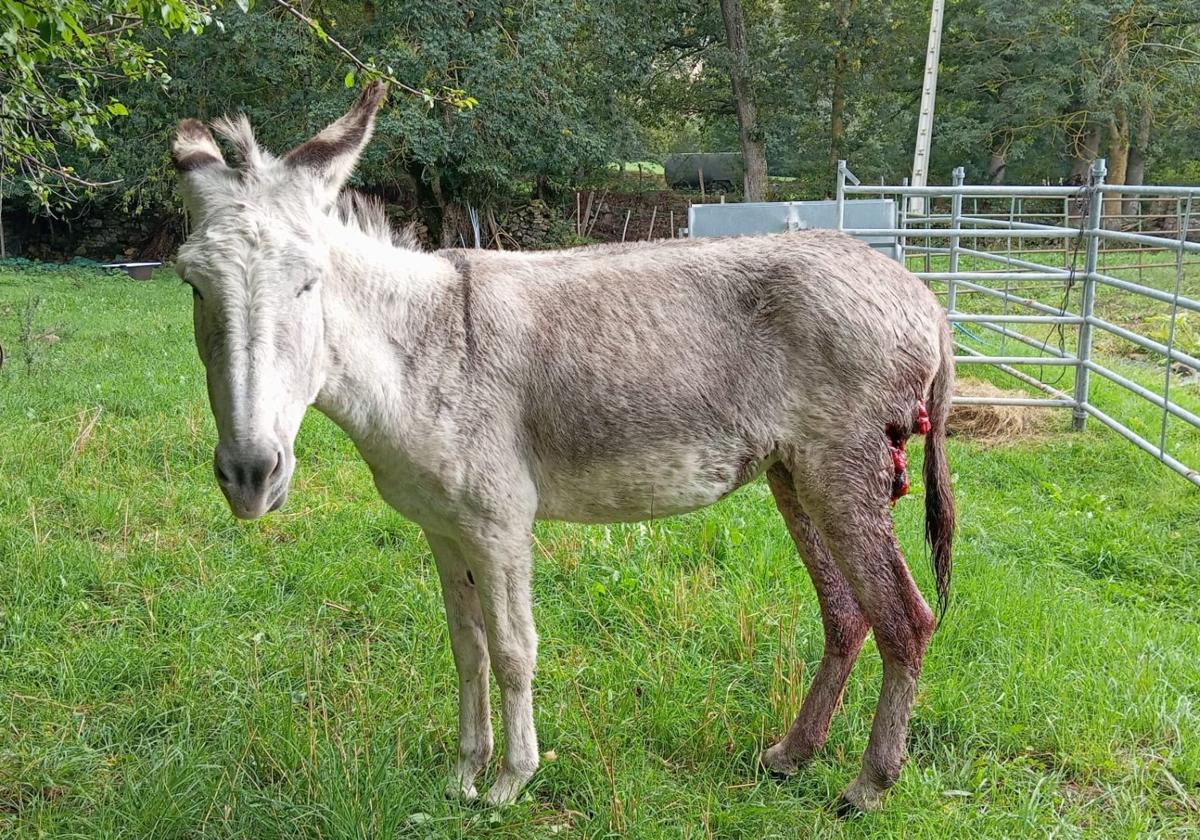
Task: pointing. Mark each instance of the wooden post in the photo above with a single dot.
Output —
(628, 213)
(587, 214)
(650, 233)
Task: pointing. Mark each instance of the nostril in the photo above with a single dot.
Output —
(222, 476)
(278, 465)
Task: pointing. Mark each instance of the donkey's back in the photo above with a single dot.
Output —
(659, 377)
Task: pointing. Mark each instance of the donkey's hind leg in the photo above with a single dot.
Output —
(845, 629)
(853, 520)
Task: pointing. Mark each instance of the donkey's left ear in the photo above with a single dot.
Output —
(330, 155)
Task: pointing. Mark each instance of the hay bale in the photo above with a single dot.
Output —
(993, 424)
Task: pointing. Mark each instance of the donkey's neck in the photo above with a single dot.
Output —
(385, 312)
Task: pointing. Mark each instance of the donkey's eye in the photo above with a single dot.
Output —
(307, 287)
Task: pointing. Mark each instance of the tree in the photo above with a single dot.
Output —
(743, 100)
(56, 55)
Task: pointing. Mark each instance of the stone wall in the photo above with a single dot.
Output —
(99, 235)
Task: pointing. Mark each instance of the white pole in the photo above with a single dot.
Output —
(920, 169)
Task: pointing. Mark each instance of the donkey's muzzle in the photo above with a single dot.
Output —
(254, 478)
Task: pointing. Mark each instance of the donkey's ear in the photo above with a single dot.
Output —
(194, 147)
(331, 154)
(200, 165)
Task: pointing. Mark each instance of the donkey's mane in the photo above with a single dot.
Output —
(368, 214)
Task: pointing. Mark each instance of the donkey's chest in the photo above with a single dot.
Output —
(645, 485)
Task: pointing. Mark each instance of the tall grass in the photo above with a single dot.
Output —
(168, 672)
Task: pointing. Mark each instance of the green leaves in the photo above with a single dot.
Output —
(58, 55)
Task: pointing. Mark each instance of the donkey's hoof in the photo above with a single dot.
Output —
(506, 789)
(465, 792)
(858, 798)
(777, 760)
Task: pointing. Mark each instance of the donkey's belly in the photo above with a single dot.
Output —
(634, 488)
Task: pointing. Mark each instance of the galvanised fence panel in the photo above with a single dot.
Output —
(1060, 286)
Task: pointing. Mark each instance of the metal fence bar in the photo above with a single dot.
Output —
(1059, 361)
(1095, 211)
(1047, 232)
(1040, 346)
(1185, 220)
(1151, 190)
(973, 190)
(1165, 404)
(993, 275)
(1017, 261)
(1143, 444)
(1011, 298)
(1022, 376)
(1148, 343)
(1148, 291)
(1015, 225)
(963, 318)
(1031, 402)
(1152, 241)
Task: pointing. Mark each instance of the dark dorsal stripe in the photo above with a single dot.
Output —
(462, 265)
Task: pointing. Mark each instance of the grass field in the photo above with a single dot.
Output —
(168, 672)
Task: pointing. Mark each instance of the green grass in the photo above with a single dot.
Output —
(168, 672)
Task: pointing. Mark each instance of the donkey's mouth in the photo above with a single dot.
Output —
(241, 510)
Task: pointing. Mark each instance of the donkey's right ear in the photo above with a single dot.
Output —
(194, 147)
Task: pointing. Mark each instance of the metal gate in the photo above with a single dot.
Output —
(1009, 261)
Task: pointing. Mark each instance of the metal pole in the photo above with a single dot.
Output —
(1066, 241)
(956, 178)
(1185, 221)
(928, 95)
(841, 194)
(1095, 211)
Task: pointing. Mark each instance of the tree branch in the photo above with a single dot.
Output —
(355, 60)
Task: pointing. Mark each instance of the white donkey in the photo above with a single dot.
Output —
(486, 390)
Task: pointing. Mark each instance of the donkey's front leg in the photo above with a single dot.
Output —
(501, 562)
(468, 640)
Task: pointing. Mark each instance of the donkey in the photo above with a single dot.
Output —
(605, 384)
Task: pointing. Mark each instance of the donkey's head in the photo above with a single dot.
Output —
(256, 261)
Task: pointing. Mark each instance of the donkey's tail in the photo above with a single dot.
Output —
(939, 498)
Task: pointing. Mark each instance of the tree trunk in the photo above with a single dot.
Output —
(1118, 122)
(837, 111)
(1135, 173)
(837, 115)
(1118, 162)
(998, 159)
(755, 184)
(1085, 155)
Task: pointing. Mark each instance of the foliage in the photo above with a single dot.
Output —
(562, 89)
(55, 56)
